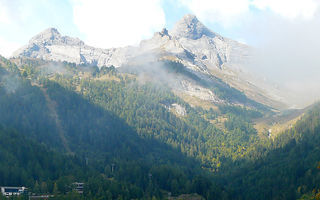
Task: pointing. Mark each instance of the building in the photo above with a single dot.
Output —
(10, 191)
(78, 187)
(44, 196)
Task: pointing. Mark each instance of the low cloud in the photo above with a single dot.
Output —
(10, 83)
(287, 52)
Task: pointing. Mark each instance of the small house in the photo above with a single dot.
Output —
(13, 191)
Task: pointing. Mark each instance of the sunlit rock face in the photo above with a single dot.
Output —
(51, 45)
(189, 40)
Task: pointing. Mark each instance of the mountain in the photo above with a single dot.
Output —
(131, 136)
(51, 45)
(202, 52)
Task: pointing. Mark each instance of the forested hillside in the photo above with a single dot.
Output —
(97, 137)
(128, 139)
(286, 168)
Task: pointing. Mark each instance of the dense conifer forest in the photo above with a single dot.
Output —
(123, 140)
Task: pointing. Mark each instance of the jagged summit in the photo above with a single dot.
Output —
(52, 36)
(190, 27)
(51, 45)
(48, 34)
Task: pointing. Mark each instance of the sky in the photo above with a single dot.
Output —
(284, 32)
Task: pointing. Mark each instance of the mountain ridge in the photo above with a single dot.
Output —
(188, 27)
(202, 51)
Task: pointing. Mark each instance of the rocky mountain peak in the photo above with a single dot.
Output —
(46, 35)
(51, 45)
(190, 27)
(51, 36)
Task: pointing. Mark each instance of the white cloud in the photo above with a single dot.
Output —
(289, 8)
(15, 12)
(221, 11)
(4, 15)
(117, 23)
(7, 47)
(232, 12)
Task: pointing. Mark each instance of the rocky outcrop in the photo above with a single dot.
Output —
(198, 91)
(178, 109)
(51, 45)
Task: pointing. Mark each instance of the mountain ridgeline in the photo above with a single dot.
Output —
(174, 118)
(203, 53)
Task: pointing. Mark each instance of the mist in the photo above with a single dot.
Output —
(149, 67)
(10, 83)
(53, 68)
(287, 53)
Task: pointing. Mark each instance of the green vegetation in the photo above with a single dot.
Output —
(113, 151)
(143, 107)
(120, 138)
(285, 168)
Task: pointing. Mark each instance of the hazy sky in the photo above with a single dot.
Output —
(285, 32)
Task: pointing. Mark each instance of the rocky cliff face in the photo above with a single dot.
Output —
(189, 40)
(202, 51)
(51, 45)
